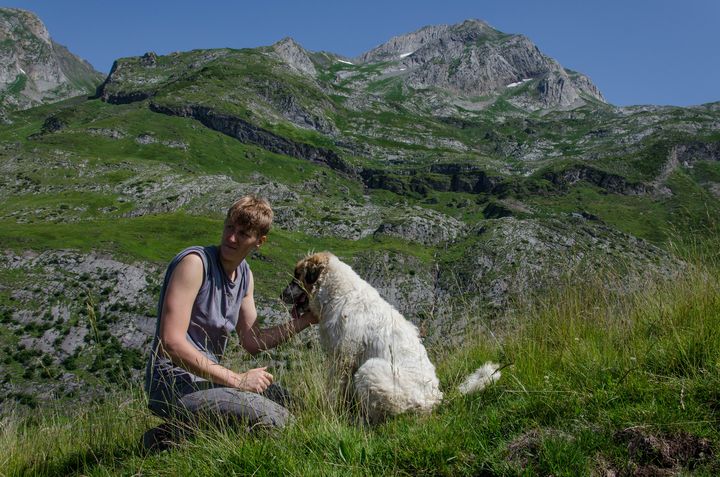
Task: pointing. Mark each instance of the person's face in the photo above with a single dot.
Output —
(237, 241)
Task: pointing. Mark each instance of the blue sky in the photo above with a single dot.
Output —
(635, 51)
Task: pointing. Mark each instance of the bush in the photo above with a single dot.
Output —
(70, 362)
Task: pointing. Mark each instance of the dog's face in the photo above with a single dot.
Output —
(308, 272)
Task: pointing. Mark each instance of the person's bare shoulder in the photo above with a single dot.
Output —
(189, 270)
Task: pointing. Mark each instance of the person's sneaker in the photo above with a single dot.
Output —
(159, 438)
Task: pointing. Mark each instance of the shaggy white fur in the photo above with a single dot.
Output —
(486, 374)
(376, 353)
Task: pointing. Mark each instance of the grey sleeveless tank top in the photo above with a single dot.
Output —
(214, 316)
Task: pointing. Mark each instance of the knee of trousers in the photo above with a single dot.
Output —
(233, 405)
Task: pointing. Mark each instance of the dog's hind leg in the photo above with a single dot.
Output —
(377, 390)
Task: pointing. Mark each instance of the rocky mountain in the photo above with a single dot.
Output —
(474, 59)
(34, 69)
(457, 168)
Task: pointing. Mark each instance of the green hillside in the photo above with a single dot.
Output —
(499, 200)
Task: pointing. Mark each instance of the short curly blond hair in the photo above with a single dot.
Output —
(252, 213)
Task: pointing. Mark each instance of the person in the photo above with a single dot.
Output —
(207, 293)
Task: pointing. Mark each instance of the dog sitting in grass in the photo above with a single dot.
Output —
(376, 354)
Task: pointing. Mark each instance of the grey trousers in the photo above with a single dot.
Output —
(213, 405)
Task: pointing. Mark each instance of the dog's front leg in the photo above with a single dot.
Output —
(341, 383)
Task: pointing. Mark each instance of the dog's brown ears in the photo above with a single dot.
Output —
(313, 271)
(314, 266)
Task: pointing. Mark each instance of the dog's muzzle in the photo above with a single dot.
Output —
(294, 294)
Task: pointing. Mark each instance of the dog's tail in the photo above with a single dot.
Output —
(486, 374)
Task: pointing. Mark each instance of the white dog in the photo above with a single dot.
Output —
(376, 353)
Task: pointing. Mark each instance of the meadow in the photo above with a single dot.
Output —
(595, 382)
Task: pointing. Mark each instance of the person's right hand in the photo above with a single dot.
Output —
(256, 380)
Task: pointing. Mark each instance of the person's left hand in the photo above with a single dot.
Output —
(312, 319)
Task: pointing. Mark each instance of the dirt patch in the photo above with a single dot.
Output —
(650, 454)
(656, 454)
(524, 450)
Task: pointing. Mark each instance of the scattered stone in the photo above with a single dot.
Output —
(107, 132)
(145, 139)
(421, 225)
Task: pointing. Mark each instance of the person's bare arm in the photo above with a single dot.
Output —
(254, 339)
(180, 295)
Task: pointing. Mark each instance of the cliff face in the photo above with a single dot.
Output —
(33, 68)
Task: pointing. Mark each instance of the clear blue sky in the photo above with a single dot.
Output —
(636, 51)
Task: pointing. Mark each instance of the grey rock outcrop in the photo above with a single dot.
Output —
(422, 225)
(149, 59)
(295, 56)
(608, 181)
(519, 257)
(403, 280)
(403, 45)
(689, 153)
(70, 305)
(33, 68)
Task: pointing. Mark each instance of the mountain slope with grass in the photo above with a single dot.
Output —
(465, 194)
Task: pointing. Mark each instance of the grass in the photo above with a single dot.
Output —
(637, 215)
(586, 367)
(17, 86)
(157, 238)
(147, 238)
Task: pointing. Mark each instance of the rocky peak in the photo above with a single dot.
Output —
(403, 46)
(295, 56)
(15, 22)
(473, 30)
(400, 46)
(474, 59)
(33, 68)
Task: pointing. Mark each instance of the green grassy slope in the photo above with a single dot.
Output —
(595, 382)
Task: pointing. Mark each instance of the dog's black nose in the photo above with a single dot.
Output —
(290, 293)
